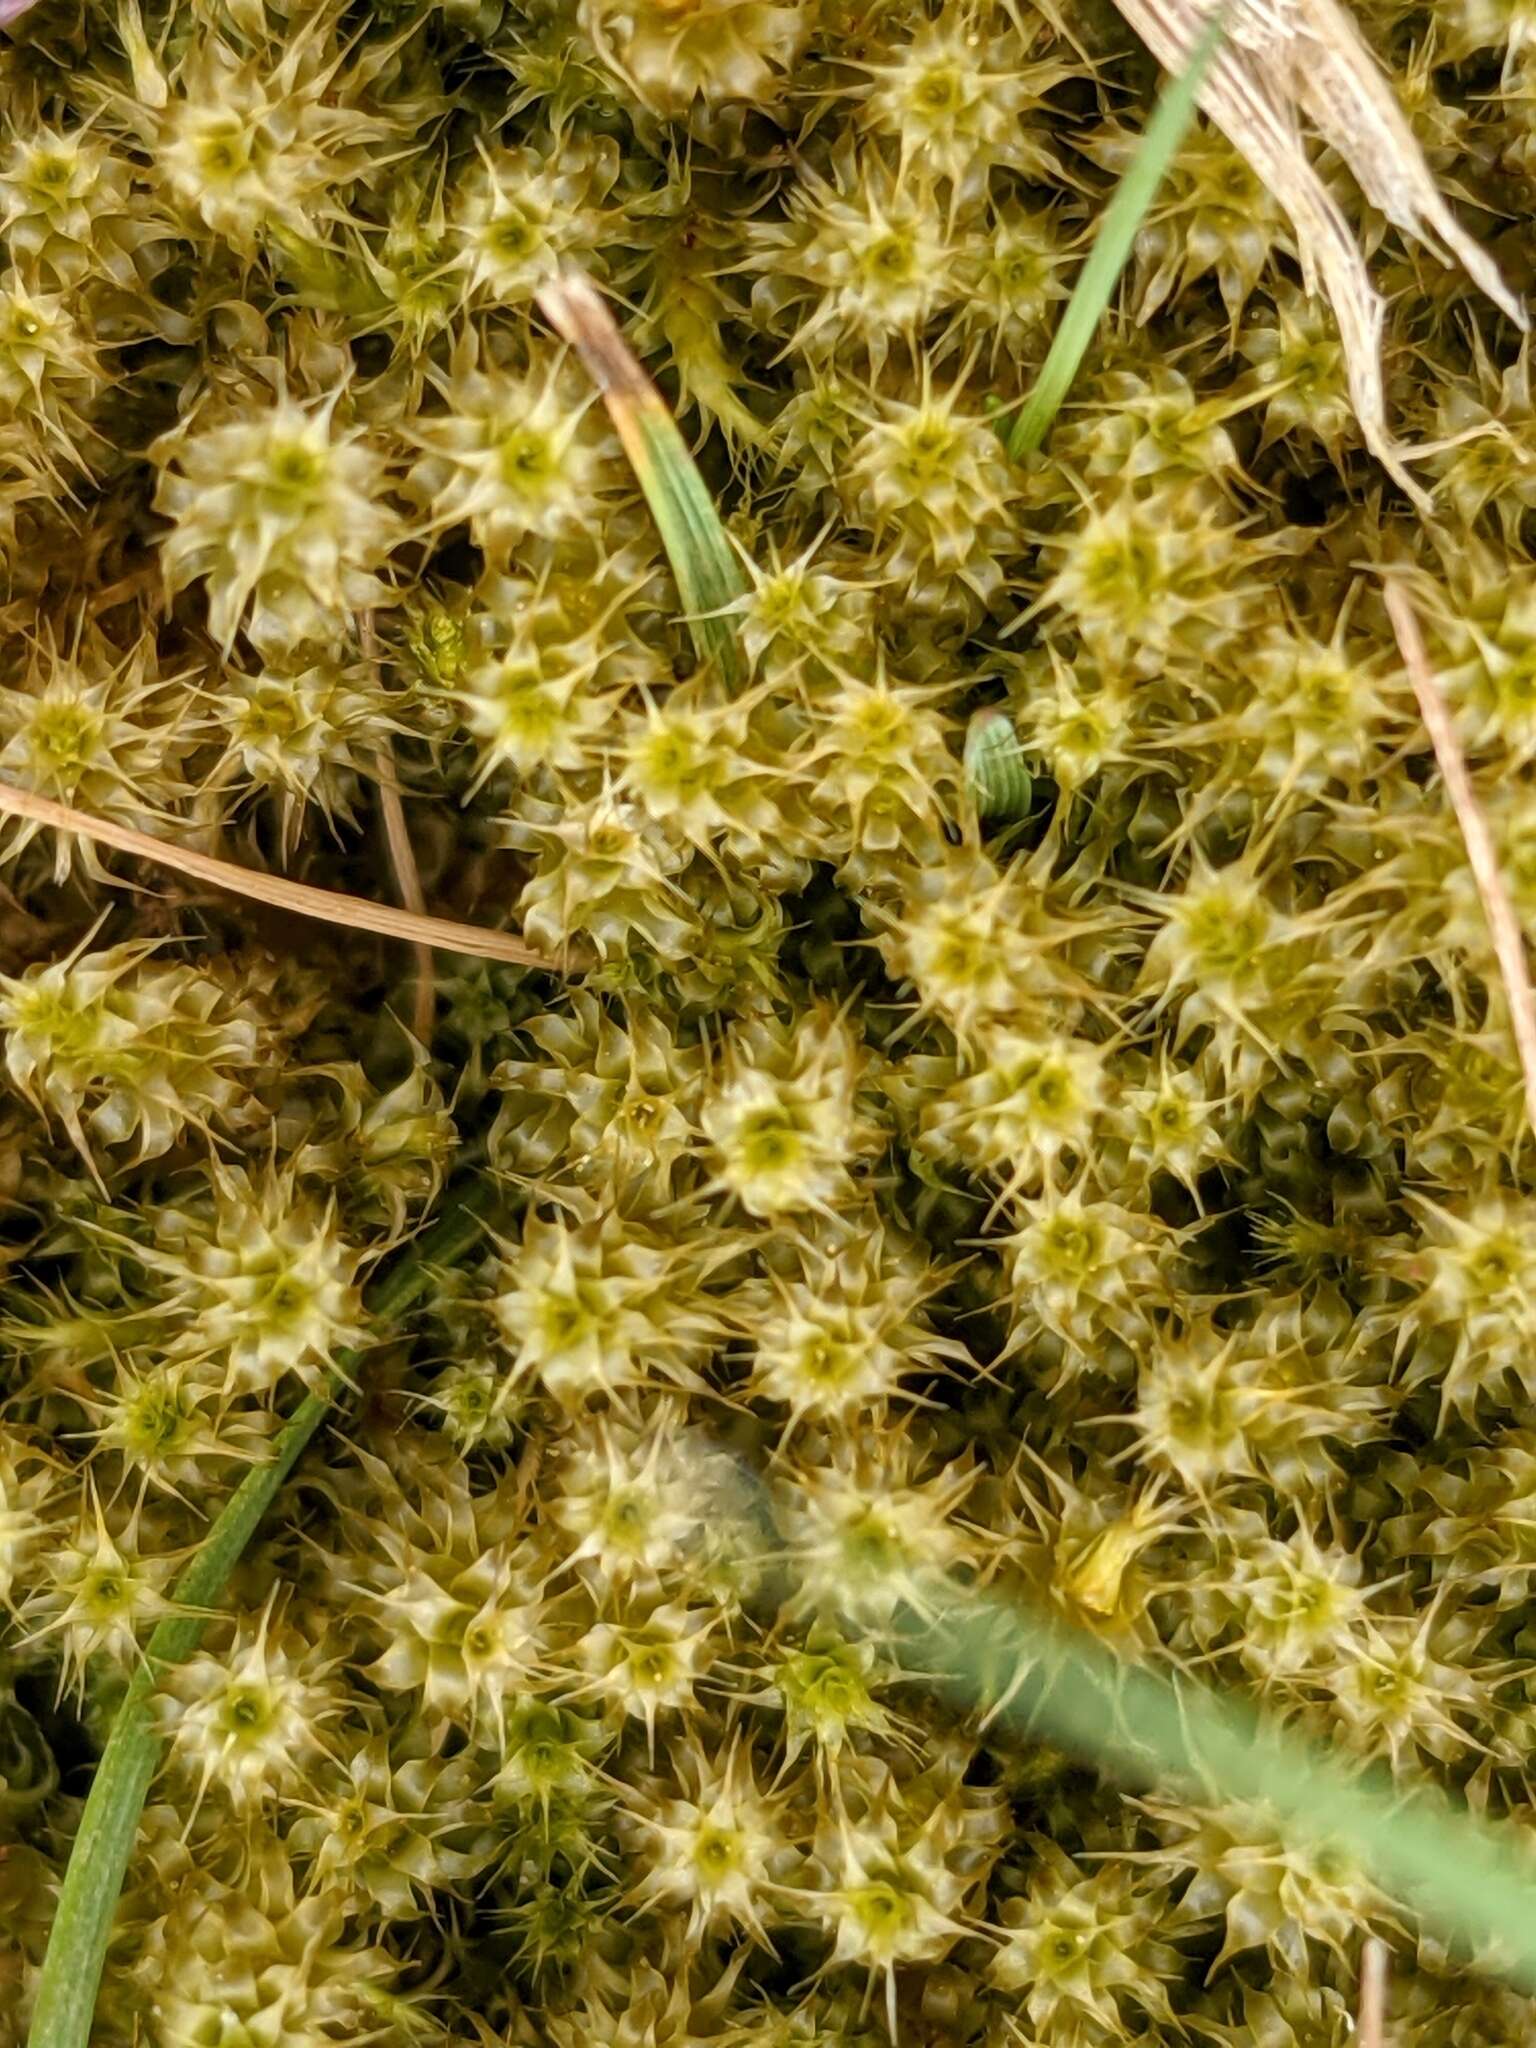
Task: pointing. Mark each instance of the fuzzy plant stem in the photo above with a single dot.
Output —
(82, 1923)
(1112, 245)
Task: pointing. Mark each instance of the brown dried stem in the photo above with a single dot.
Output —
(327, 905)
(1284, 57)
(402, 857)
(1482, 856)
(1371, 2015)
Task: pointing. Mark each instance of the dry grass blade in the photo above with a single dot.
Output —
(402, 858)
(1351, 100)
(1281, 54)
(327, 905)
(1482, 856)
(1371, 2016)
(708, 574)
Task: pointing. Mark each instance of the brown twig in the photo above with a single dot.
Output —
(328, 905)
(1482, 857)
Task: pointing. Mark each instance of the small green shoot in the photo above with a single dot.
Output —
(1000, 784)
(1116, 236)
(82, 1923)
(709, 576)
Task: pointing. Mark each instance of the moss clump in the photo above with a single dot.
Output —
(1119, 1192)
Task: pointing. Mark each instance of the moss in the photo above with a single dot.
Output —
(1121, 1193)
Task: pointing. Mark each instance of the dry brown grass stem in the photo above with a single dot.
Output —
(402, 857)
(1282, 58)
(328, 905)
(1482, 856)
(1371, 2013)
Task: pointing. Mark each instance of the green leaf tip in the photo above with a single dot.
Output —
(1000, 784)
(1117, 231)
(709, 576)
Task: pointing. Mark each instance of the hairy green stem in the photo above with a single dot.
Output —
(82, 1923)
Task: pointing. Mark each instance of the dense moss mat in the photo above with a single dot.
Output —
(1128, 1201)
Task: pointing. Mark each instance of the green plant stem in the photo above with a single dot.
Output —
(82, 1924)
(707, 571)
(1112, 245)
(1042, 1679)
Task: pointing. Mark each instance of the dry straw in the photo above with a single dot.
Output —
(1482, 856)
(1282, 58)
(330, 906)
(402, 857)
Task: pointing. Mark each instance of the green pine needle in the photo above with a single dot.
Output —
(82, 1923)
(1116, 236)
(709, 576)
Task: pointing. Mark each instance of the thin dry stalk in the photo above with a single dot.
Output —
(402, 858)
(327, 905)
(1371, 2014)
(1283, 55)
(1482, 857)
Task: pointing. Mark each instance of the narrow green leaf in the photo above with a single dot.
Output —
(82, 1924)
(1112, 246)
(1040, 1678)
(709, 576)
(1028, 1672)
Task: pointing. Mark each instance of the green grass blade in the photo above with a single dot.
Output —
(1458, 1874)
(82, 1924)
(1112, 246)
(709, 576)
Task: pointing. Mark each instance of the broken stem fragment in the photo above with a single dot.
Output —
(1482, 855)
